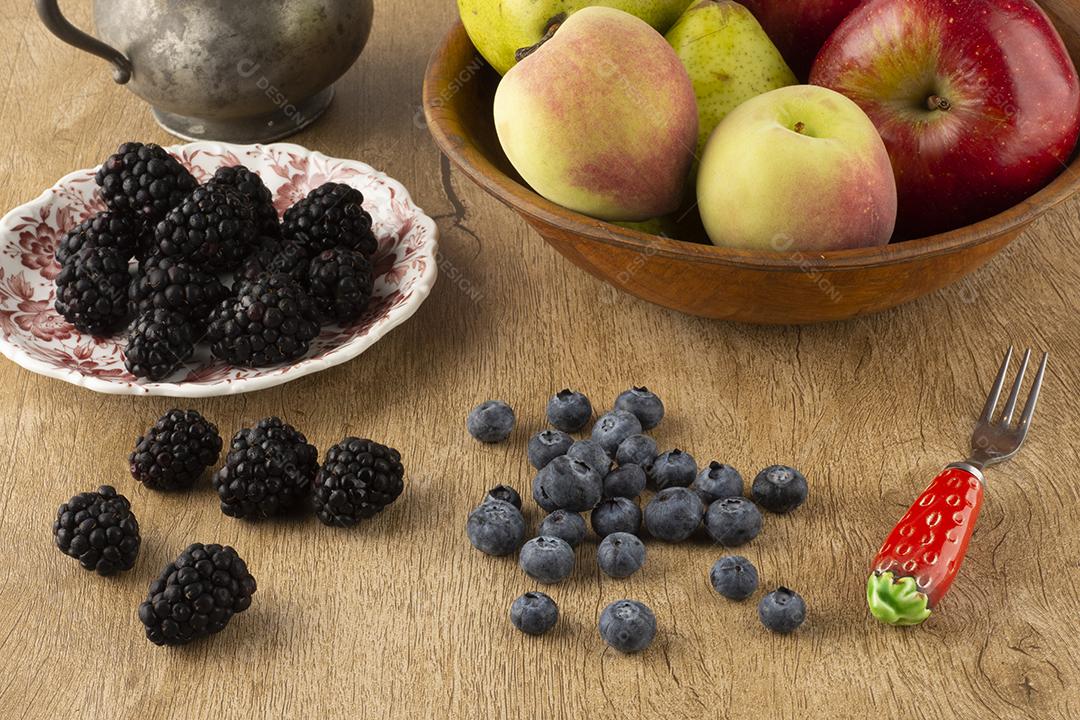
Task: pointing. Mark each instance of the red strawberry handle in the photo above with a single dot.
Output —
(922, 555)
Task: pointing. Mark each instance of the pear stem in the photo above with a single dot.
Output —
(936, 102)
(549, 32)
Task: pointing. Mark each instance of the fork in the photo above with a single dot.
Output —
(922, 555)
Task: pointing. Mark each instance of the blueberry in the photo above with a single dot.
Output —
(506, 494)
(734, 577)
(779, 489)
(717, 481)
(491, 421)
(733, 521)
(673, 514)
(547, 445)
(590, 453)
(567, 484)
(620, 555)
(547, 559)
(616, 515)
(674, 468)
(624, 481)
(534, 613)
(628, 626)
(614, 427)
(569, 411)
(566, 525)
(645, 405)
(636, 450)
(496, 528)
(782, 610)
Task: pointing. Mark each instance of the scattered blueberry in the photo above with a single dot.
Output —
(496, 528)
(620, 554)
(590, 453)
(628, 626)
(566, 525)
(491, 421)
(733, 521)
(779, 489)
(547, 559)
(782, 610)
(734, 577)
(616, 515)
(614, 427)
(636, 450)
(717, 481)
(534, 613)
(673, 468)
(673, 514)
(645, 405)
(506, 494)
(569, 411)
(567, 484)
(547, 445)
(624, 481)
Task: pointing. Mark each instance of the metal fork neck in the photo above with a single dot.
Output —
(972, 466)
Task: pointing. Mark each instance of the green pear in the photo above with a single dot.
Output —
(729, 58)
(499, 28)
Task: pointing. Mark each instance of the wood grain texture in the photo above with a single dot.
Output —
(401, 618)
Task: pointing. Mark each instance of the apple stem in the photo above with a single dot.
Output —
(936, 102)
(549, 32)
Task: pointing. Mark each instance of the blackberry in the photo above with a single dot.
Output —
(196, 595)
(268, 471)
(175, 451)
(332, 215)
(143, 179)
(340, 282)
(99, 530)
(166, 283)
(271, 320)
(213, 227)
(158, 343)
(253, 188)
(92, 290)
(123, 232)
(276, 256)
(358, 478)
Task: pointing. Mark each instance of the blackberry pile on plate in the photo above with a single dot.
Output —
(181, 264)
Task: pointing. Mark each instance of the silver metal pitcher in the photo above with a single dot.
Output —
(232, 70)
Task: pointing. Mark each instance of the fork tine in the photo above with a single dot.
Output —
(995, 392)
(1014, 394)
(1033, 397)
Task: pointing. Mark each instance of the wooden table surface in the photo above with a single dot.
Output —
(401, 617)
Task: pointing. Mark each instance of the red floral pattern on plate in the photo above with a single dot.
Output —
(35, 336)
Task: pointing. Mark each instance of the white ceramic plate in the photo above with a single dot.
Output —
(33, 335)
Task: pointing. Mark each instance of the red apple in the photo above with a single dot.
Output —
(800, 27)
(977, 101)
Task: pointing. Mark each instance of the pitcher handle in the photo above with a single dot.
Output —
(58, 25)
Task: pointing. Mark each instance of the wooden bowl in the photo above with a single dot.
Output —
(702, 279)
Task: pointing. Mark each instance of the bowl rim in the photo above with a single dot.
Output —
(468, 157)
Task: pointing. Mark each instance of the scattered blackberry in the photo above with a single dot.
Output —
(167, 283)
(143, 179)
(99, 530)
(270, 321)
(268, 471)
(358, 478)
(158, 343)
(253, 188)
(92, 290)
(196, 595)
(175, 451)
(214, 227)
(123, 232)
(276, 256)
(332, 215)
(340, 282)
